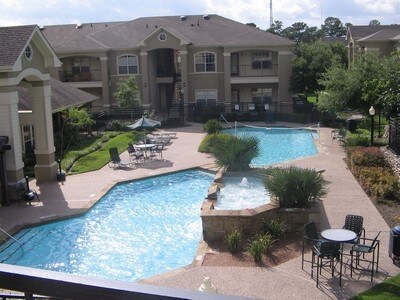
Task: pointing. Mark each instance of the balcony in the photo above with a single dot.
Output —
(83, 77)
(243, 74)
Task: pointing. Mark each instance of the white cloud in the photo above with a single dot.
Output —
(380, 6)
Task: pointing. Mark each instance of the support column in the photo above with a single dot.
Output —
(9, 126)
(144, 70)
(105, 81)
(227, 81)
(185, 82)
(46, 166)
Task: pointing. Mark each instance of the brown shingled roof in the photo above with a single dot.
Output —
(62, 96)
(199, 31)
(12, 42)
(363, 31)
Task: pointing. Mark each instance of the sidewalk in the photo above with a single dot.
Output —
(286, 281)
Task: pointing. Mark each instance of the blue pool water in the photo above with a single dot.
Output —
(137, 230)
(278, 145)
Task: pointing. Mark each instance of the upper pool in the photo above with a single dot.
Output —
(278, 144)
(137, 230)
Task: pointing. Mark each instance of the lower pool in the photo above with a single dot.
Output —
(279, 144)
(137, 230)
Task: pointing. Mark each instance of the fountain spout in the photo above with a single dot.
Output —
(244, 182)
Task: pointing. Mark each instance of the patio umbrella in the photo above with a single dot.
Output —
(144, 123)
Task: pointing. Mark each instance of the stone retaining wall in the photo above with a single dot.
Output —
(392, 159)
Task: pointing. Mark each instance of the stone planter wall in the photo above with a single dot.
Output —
(218, 223)
(392, 159)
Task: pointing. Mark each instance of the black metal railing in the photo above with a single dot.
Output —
(394, 135)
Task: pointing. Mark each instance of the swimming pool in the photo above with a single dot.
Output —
(278, 145)
(138, 229)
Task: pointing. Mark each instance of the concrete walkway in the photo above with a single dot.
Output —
(286, 281)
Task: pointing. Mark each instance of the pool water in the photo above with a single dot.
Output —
(278, 145)
(241, 193)
(137, 230)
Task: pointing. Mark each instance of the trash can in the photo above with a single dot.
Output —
(351, 125)
(394, 243)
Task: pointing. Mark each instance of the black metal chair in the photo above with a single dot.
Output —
(134, 154)
(326, 254)
(25, 193)
(311, 237)
(355, 223)
(367, 246)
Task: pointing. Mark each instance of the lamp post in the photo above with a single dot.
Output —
(372, 113)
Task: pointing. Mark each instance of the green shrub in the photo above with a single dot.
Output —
(379, 182)
(235, 153)
(212, 126)
(233, 240)
(258, 245)
(210, 140)
(295, 187)
(105, 138)
(117, 125)
(274, 227)
(356, 140)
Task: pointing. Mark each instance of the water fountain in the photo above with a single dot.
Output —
(244, 182)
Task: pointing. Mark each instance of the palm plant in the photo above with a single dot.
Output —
(236, 152)
(295, 187)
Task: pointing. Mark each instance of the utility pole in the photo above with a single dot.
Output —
(271, 17)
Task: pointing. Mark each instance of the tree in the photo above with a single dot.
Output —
(127, 94)
(333, 27)
(311, 62)
(73, 120)
(276, 28)
(300, 32)
(374, 23)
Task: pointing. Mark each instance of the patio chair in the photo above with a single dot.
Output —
(326, 254)
(115, 160)
(367, 246)
(157, 149)
(24, 193)
(134, 154)
(338, 134)
(311, 237)
(355, 223)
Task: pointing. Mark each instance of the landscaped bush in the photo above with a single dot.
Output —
(212, 126)
(258, 245)
(117, 125)
(210, 140)
(352, 140)
(370, 157)
(233, 240)
(274, 227)
(295, 187)
(379, 182)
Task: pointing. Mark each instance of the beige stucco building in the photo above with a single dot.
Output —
(197, 60)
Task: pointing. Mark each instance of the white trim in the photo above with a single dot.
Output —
(205, 52)
(126, 55)
(25, 73)
(30, 52)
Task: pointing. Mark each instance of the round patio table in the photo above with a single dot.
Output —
(339, 235)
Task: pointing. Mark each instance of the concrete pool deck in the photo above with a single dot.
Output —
(286, 281)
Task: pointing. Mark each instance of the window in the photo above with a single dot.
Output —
(162, 37)
(204, 62)
(127, 64)
(28, 138)
(206, 98)
(262, 60)
(261, 95)
(234, 64)
(80, 65)
(28, 53)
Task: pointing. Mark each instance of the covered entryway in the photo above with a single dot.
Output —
(25, 60)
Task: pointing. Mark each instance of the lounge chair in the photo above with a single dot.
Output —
(116, 162)
(24, 193)
(338, 134)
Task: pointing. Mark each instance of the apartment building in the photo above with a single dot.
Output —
(181, 63)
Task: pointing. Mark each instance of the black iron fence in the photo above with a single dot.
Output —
(394, 135)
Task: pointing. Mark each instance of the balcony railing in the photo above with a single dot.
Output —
(249, 71)
(86, 75)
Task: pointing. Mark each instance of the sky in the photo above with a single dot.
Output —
(311, 12)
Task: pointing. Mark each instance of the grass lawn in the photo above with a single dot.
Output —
(99, 158)
(389, 289)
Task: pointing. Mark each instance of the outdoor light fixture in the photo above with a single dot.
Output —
(372, 114)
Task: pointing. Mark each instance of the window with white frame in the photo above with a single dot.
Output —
(127, 64)
(262, 60)
(206, 98)
(28, 138)
(80, 65)
(205, 62)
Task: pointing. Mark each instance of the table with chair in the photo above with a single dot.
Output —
(327, 247)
